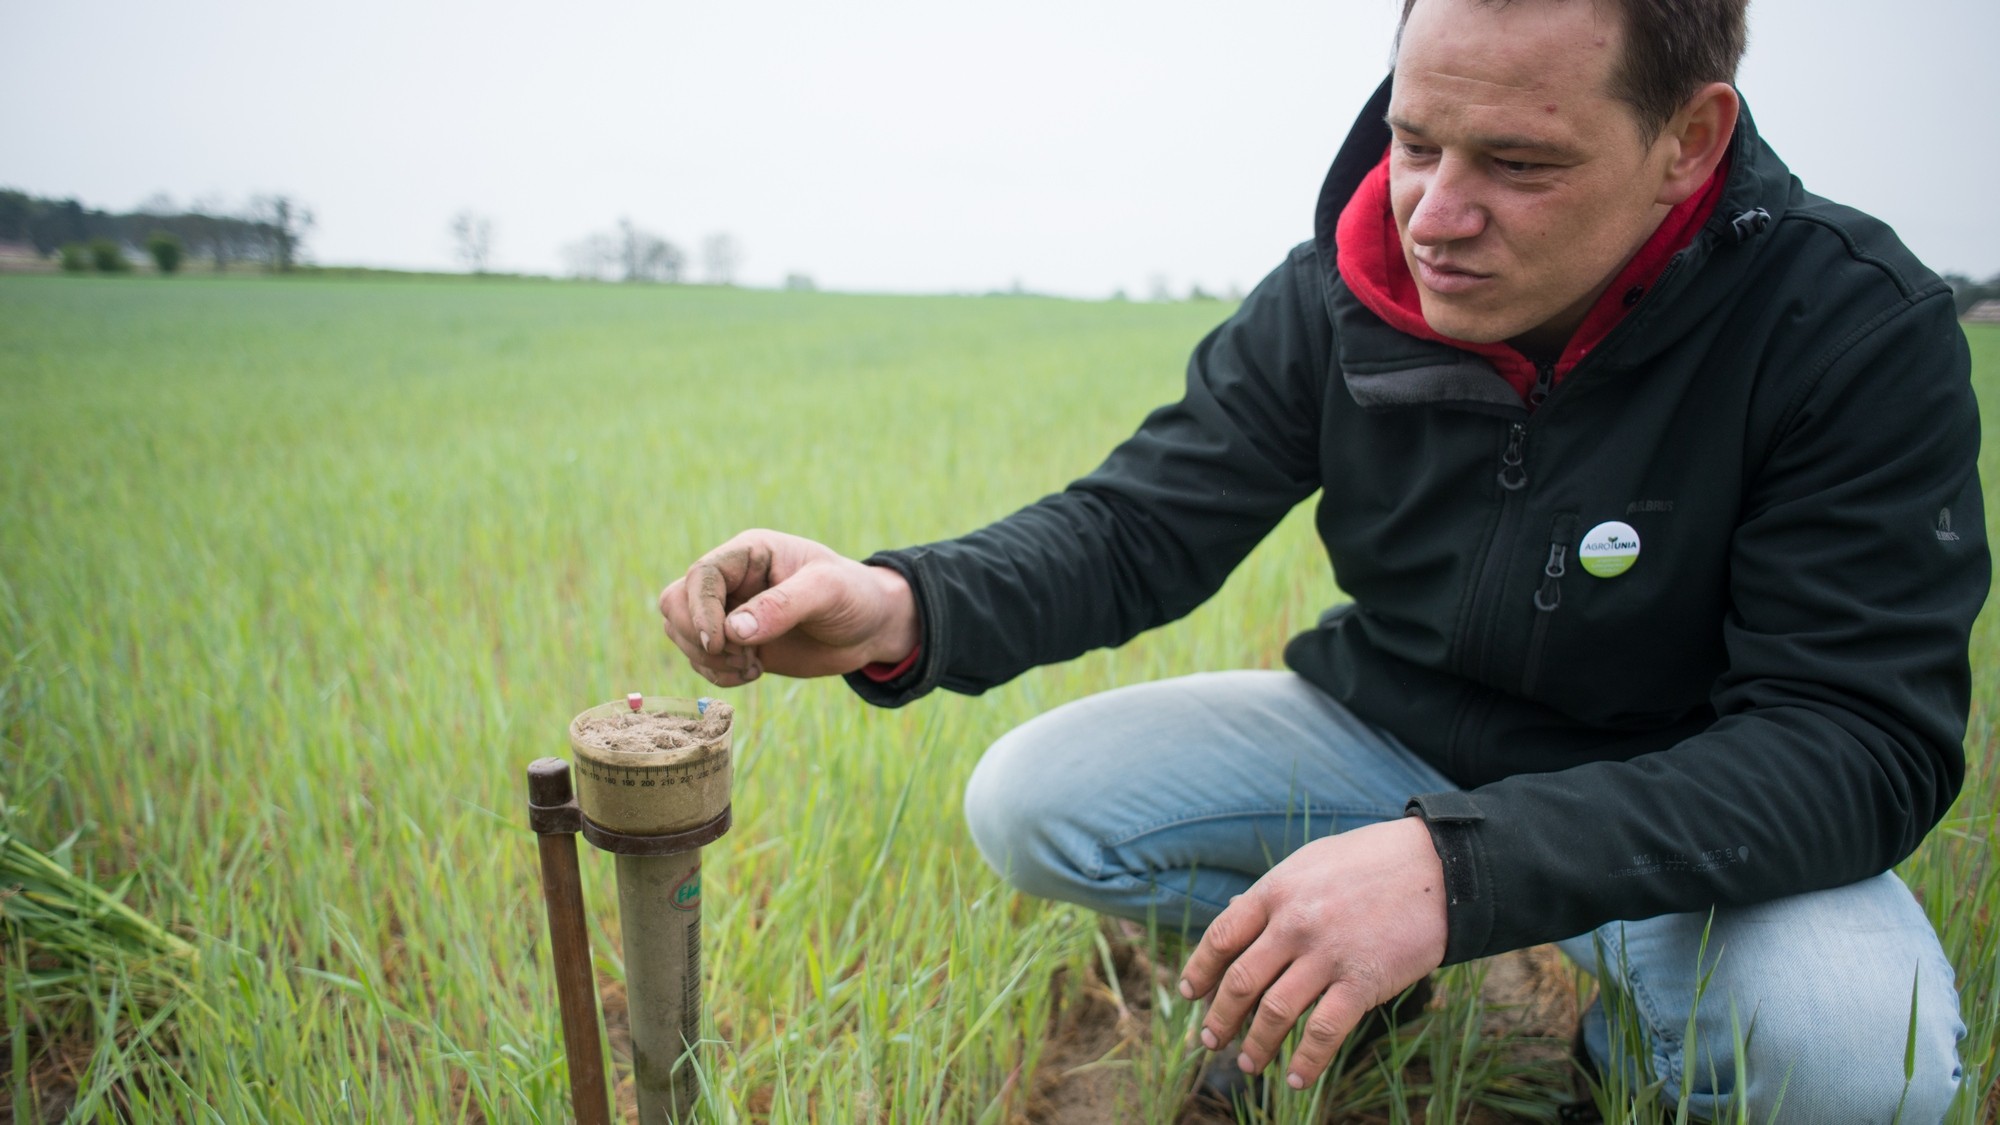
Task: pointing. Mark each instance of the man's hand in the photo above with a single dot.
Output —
(766, 600)
(1343, 924)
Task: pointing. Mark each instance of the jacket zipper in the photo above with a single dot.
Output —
(1548, 598)
(1514, 474)
(1513, 477)
(1545, 381)
(1480, 624)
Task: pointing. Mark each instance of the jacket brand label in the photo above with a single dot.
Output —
(1609, 549)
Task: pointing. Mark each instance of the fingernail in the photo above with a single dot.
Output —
(1295, 1082)
(1187, 990)
(1208, 1040)
(1244, 1064)
(704, 641)
(744, 624)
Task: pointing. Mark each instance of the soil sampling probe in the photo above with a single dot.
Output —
(652, 787)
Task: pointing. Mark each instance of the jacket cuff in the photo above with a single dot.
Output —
(1452, 818)
(928, 669)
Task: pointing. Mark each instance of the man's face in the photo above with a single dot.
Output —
(1520, 185)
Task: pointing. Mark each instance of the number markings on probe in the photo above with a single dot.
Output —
(649, 777)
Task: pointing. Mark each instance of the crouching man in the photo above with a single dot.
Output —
(1652, 478)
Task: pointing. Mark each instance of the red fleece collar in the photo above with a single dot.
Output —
(1372, 265)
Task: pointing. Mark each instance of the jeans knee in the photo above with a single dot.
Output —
(1819, 1066)
(1793, 1082)
(1009, 809)
(987, 812)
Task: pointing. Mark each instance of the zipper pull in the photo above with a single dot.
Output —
(1545, 381)
(1549, 596)
(1513, 474)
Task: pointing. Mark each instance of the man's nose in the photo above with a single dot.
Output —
(1449, 209)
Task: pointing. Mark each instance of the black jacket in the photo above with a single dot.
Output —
(1770, 701)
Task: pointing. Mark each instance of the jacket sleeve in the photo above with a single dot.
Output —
(1858, 564)
(1153, 531)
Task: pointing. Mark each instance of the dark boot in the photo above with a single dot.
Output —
(1581, 1108)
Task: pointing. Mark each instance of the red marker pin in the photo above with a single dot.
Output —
(635, 701)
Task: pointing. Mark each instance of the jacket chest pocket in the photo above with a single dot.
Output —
(1613, 623)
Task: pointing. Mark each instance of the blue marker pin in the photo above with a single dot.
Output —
(701, 706)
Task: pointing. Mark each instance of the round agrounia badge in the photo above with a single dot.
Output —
(1609, 549)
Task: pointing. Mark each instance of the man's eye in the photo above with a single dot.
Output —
(1416, 151)
(1518, 167)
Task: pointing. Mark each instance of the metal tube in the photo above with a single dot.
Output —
(549, 796)
(659, 910)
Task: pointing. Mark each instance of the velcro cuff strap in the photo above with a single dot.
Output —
(1449, 807)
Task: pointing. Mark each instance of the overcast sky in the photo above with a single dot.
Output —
(1072, 146)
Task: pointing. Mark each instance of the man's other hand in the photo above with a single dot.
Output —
(770, 601)
(1343, 924)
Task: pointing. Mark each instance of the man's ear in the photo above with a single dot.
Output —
(1696, 139)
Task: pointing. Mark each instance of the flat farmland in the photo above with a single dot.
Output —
(297, 575)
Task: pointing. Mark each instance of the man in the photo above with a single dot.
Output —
(1652, 479)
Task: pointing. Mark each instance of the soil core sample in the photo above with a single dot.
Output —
(653, 772)
(635, 732)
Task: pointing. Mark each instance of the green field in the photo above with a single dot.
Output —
(297, 576)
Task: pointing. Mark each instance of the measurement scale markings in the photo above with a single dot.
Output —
(648, 777)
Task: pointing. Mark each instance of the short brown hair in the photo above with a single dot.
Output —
(1672, 49)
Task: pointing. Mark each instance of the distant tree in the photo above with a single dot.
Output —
(799, 283)
(108, 256)
(283, 223)
(55, 223)
(15, 209)
(165, 247)
(593, 257)
(719, 258)
(472, 238)
(75, 259)
(630, 254)
(1158, 290)
(209, 228)
(664, 262)
(646, 256)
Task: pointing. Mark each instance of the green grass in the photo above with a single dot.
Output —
(296, 576)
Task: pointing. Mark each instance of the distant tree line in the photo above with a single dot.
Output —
(269, 230)
(631, 253)
(1966, 292)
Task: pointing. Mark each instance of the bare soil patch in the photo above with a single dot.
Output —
(1085, 1077)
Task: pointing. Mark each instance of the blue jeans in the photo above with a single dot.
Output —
(1160, 801)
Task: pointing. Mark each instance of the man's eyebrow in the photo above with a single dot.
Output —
(1500, 141)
